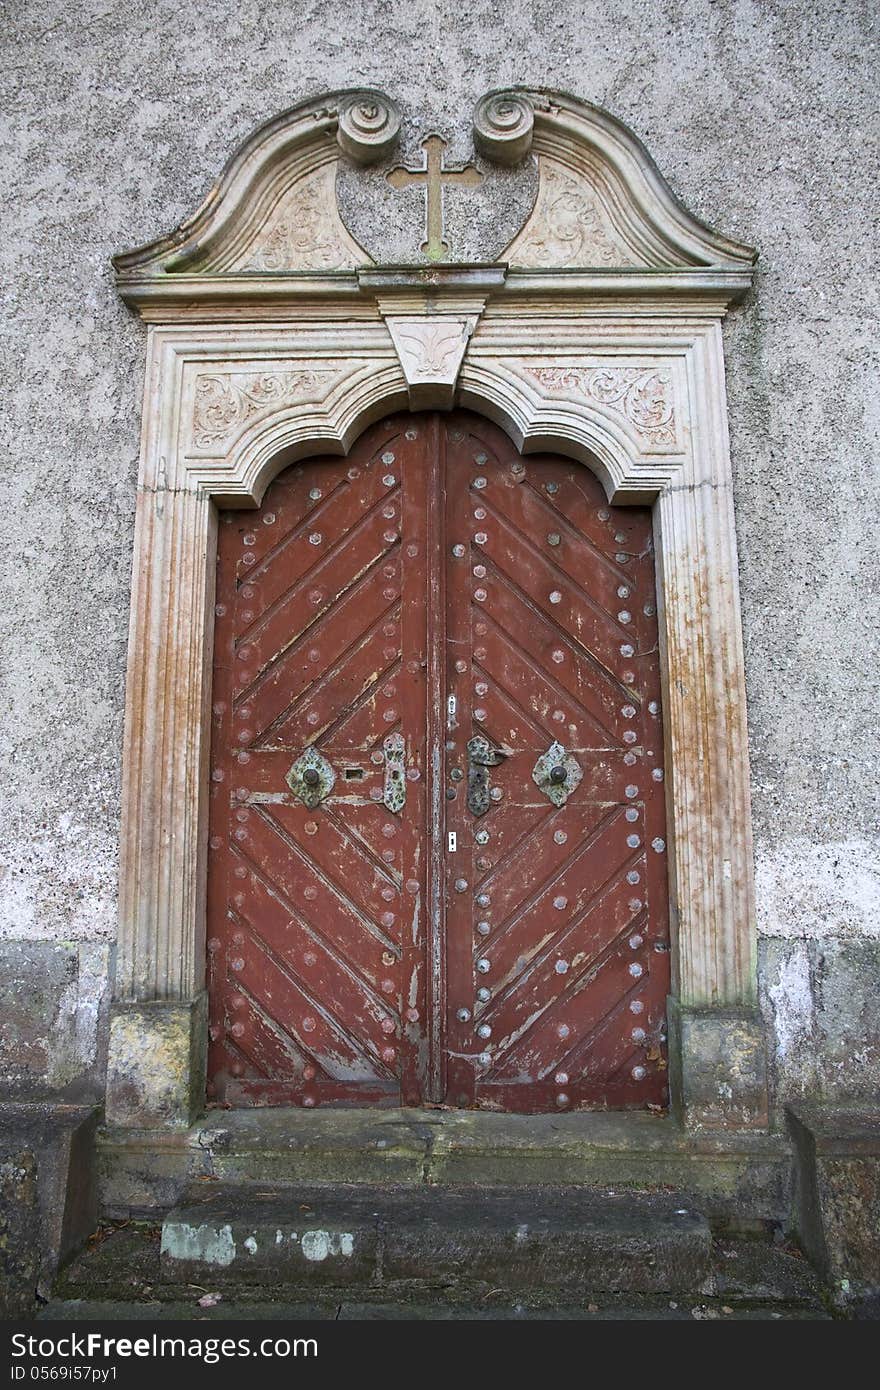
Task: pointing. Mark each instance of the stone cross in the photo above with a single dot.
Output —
(432, 177)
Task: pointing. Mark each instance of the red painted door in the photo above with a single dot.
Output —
(437, 868)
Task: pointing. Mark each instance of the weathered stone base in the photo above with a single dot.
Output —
(718, 1068)
(837, 1196)
(156, 1063)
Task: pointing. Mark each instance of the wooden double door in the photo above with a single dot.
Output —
(437, 870)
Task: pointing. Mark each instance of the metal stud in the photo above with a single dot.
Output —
(315, 538)
(482, 837)
(624, 616)
(481, 460)
(638, 1073)
(483, 928)
(636, 970)
(626, 649)
(483, 965)
(484, 1031)
(483, 900)
(484, 994)
(657, 774)
(638, 1035)
(561, 967)
(555, 596)
(636, 1006)
(552, 487)
(658, 845)
(315, 494)
(461, 885)
(562, 1099)
(633, 841)
(463, 1015)
(631, 813)
(388, 457)
(485, 1059)
(458, 551)
(389, 480)
(554, 538)
(560, 837)
(479, 482)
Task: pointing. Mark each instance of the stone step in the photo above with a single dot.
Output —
(728, 1176)
(658, 1309)
(507, 1238)
(523, 1249)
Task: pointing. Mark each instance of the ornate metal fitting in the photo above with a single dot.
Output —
(311, 778)
(395, 772)
(557, 774)
(481, 756)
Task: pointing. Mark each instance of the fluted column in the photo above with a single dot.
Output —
(719, 1069)
(157, 1044)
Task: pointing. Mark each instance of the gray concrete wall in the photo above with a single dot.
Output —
(761, 113)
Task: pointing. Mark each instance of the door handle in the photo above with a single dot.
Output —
(481, 756)
(311, 778)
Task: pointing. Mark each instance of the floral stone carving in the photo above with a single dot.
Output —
(569, 226)
(224, 401)
(644, 398)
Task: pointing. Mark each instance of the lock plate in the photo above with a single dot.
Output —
(311, 793)
(394, 794)
(481, 756)
(542, 774)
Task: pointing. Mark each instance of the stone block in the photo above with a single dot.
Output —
(156, 1064)
(48, 1202)
(718, 1068)
(837, 1196)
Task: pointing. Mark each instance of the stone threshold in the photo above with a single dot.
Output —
(738, 1177)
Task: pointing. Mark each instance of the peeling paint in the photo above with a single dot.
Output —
(319, 1245)
(212, 1244)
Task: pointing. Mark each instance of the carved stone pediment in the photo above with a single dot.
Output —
(335, 185)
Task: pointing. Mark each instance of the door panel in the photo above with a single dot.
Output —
(316, 913)
(556, 928)
(481, 946)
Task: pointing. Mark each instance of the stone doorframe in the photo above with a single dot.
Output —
(272, 336)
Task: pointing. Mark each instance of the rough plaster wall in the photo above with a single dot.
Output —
(762, 117)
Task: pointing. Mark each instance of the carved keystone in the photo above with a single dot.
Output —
(431, 351)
